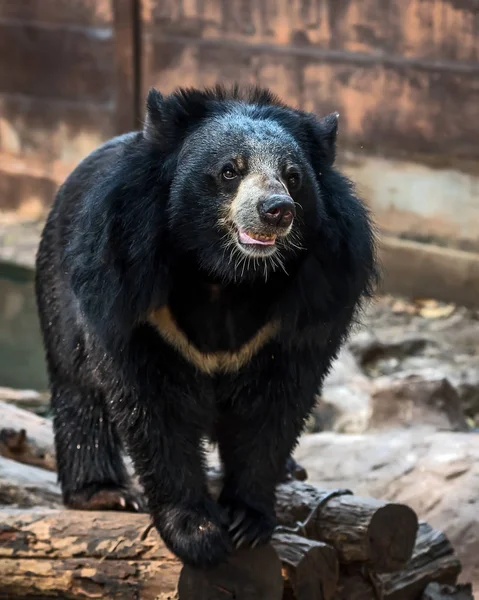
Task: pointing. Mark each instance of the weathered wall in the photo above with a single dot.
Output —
(404, 75)
(63, 90)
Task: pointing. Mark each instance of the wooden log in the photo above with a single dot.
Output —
(82, 579)
(248, 575)
(310, 568)
(80, 555)
(379, 534)
(86, 555)
(433, 559)
(356, 583)
(361, 530)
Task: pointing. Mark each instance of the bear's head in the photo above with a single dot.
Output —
(244, 173)
(230, 183)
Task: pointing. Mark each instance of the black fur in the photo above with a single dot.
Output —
(134, 227)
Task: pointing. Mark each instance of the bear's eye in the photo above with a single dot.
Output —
(293, 180)
(229, 173)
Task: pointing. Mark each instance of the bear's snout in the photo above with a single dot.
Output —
(278, 210)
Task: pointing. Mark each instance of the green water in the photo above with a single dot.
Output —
(22, 363)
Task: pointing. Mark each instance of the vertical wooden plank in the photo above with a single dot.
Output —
(126, 32)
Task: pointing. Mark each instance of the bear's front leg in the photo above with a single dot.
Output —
(257, 431)
(160, 418)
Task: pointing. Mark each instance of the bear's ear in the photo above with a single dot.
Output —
(155, 108)
(329, 133)
(169, 119)
(321, 138)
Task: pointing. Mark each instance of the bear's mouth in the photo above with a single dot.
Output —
(256, 245)
(256, 239)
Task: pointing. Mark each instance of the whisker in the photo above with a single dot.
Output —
(300, 205)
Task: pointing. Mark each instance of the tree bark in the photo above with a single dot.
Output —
(80, 555)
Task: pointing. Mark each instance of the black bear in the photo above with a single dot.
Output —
(195, 281)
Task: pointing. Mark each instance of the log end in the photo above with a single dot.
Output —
(248, 574)
(392, 535)
(310, 568)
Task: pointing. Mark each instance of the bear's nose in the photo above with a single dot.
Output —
(277, 210)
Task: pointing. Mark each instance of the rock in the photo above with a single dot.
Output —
(30, 400)
(463, 373)
(344, 403)
(407, 399)
(438, 591)
(436, 473)
(25, 486)
(351, 402)
(39, 430)
(16, 445)
(384, 355)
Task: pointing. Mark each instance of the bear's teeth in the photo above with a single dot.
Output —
(250, 238)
